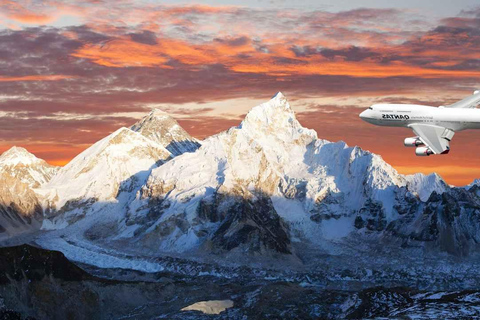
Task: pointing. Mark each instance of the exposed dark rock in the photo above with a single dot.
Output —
(32, 264)
(293, 189)
(251, 223)
(359, 223)
(379, 302)
(448, 222)
(373, 214)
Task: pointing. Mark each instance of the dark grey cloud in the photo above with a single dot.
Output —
(350, 54)
(234, 42)
(145, 37)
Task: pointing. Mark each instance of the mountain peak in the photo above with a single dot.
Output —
(425, 185)
(154, 117)
(17, 151)
(278, 95)
(160, 127)
(118, 161)
(275, 117)
(25, 167)
(16, 155)
(120, 134)
(159, 113)
(268, 112)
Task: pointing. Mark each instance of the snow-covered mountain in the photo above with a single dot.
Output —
(111, 171)
(266, 187)
(258, 185)
(20, 172)
(263, 207)
(263, 187)
(20, 210)
(162, 128)
(424, 186)
(24, 166)
(118, 163)
(475, 182)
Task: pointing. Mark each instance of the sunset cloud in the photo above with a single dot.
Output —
(275, 60)
(64, 86)
(122, 53)
(15, 11)
(35, 78)
(31, 18)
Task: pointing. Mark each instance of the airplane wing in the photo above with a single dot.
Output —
(435, 137)
(469, 102)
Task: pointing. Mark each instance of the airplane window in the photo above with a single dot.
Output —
(370, 108)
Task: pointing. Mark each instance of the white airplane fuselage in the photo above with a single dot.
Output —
(434, 127)
(404, 115)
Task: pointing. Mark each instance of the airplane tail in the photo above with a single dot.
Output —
(469, 102)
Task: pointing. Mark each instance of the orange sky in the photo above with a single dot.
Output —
(73, 72)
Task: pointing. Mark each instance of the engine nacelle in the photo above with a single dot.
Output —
(412, 142)
(423, 151)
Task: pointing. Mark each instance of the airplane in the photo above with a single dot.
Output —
(434, 127)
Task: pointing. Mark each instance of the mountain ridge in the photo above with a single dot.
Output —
(261, 188)
(231, 193)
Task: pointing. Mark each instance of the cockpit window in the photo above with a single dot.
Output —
(370, 108)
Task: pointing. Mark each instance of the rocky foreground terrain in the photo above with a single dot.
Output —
(43, 284)
(265, 215)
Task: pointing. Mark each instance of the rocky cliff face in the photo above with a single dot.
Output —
(447, 221)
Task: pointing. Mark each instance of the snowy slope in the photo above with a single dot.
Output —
(116, 163)
(475, 182)
(20, 172)
(106, 176)
(20, 210)
(424, 186)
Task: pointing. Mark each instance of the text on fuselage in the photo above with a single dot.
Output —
(396, 116)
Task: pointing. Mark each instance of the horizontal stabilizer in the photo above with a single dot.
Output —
(470, 102)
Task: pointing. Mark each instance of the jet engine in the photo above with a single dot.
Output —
(412, 142)
(423, 151)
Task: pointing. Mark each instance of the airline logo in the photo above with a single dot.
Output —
(395, 116)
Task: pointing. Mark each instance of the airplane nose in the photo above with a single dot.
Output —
(367, 116)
